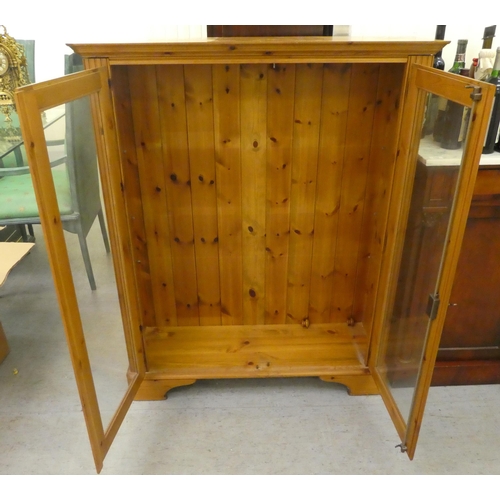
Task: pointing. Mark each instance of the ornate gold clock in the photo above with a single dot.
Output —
(13, 71)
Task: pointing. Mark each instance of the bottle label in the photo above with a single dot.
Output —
(460, 57)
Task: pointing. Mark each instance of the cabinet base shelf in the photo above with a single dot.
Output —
(178, 356)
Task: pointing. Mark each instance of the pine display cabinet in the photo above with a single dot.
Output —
(257, 193)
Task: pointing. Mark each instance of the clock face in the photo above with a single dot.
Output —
(4, 63)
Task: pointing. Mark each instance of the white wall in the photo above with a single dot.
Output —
(53, 23)
(51, 39)
(472, 32)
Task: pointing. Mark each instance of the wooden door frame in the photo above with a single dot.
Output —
(31, 101)
(424, 79)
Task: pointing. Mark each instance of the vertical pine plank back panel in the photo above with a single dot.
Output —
(132, 184)
(362, 99)
(380, 172)
(253, 91)
(249, 173)
(334, 106)
(200, 122)
(172, 108)
(280, 108)
(144, 97)
(306, 127)
(226, 81)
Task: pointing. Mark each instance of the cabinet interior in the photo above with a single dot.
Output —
(257, 197)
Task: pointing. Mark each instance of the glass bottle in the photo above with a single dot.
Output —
(493, 127)
(486, 55)
(452, 119)
(432, 100)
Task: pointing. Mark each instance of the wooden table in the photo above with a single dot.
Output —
(10, 255)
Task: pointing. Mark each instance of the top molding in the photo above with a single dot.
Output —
(260, 49)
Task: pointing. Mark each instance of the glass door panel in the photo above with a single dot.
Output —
(434, 188)
(73, 157)
(443, 156)
(87, 247)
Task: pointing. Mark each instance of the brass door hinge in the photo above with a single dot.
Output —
(433, 306)
(476, 94)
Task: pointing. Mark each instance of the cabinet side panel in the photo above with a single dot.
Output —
(380, 172)
(362, 102)
(145, 110)
(281, 90)
(306, 127)
(335, 101)
(124, 120)
(253, 102)
(172, 107)
(226, 82)
(200, 125)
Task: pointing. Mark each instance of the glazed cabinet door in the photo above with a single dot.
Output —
(419, 286)
(69, 130)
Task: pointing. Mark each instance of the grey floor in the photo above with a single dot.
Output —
(277, 426)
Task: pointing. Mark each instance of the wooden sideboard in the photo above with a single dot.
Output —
(469, 351)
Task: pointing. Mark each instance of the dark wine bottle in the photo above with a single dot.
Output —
(453, 116)
(432, 100)
(438, 58)
(493, 127)
(464, 128)
(459, 62)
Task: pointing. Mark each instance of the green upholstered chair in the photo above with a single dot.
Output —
(75, 175)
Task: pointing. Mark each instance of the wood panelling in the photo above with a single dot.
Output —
(280, 107)
(123, 110)
(226, 80)
(173, 122)
(148, 137)
(334, 111)
(253, 102)
(249, 173)
(306, 127)
(362, 100)
(383, 153)
(200, 130)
